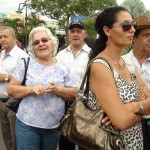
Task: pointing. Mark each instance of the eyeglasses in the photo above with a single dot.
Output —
(126, 25)
(43, 40)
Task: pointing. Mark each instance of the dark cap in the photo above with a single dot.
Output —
(77, 23)
(142, 22)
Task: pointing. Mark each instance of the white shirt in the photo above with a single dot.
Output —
(77, 64)
(7, 65)
(144, 69)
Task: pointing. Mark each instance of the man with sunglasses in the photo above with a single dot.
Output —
(140, 56)
(76, 56)
(10, 55)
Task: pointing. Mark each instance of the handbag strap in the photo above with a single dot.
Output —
(26, 64)
(87, 75)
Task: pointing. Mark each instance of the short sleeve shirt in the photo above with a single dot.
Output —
(8, 63)
(43, 111)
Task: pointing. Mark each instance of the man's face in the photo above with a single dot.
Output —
(77, 36)
(142, 42)
(7, 40)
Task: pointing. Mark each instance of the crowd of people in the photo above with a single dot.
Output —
(53, 79)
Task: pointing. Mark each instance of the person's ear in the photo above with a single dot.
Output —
(86, 34)
(107, 31)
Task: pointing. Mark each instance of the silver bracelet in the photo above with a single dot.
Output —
(141, 108)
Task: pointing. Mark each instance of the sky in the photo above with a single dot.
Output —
(10, 6)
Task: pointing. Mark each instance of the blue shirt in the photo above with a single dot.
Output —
(47, 110)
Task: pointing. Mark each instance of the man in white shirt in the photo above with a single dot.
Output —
(76, 56)
(9, 58)
(140, 56)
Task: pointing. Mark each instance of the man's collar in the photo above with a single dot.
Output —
(132, 54)
(84, 48)
(12, 51)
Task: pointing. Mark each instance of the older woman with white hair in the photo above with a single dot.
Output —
(48, 85)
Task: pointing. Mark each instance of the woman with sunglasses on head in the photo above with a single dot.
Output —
(48, 85)
(118, 91)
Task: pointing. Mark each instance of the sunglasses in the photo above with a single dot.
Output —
(126, 25)
(43, 40)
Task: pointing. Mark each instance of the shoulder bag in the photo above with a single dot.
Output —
(83, 124)
(13, 103)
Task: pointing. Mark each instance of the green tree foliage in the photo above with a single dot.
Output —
(136, 8)
(34, 21)
(62, 10)
(19, 26)
(11, 22)
(89, 23)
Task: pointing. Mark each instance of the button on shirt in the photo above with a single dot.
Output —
(77, 64)
(144, 69)
(7, 65)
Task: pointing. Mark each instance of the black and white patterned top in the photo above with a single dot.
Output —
(128, 92)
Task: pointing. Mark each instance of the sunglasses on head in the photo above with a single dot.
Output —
(126, 25)
(43, 40)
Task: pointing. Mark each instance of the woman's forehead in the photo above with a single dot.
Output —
(123, 15)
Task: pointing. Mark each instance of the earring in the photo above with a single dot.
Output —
(107, 42)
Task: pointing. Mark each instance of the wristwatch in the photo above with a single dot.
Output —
(6, 78)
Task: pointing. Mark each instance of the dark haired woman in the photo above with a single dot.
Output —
(118, 91)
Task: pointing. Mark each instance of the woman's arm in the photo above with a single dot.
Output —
(144, 97)
(103, 86)
(68, 93)
(16, 90)
(144, 90)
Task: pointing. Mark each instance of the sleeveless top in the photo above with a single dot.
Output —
(132, 137)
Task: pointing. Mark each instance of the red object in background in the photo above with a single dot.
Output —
(19, 44)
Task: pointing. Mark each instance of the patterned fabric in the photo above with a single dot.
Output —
(77, 63)
(128, 92)
(47, 110)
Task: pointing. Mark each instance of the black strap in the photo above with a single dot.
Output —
(26, 64)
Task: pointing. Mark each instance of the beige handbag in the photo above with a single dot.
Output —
(83, 122)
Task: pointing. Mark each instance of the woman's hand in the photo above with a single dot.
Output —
(38, 89)
(106, 119)
(143, 93)
(51, 88)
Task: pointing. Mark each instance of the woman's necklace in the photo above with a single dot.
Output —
(123, 67)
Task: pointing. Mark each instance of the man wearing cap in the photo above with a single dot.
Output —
(76, 56)
(140, 56)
